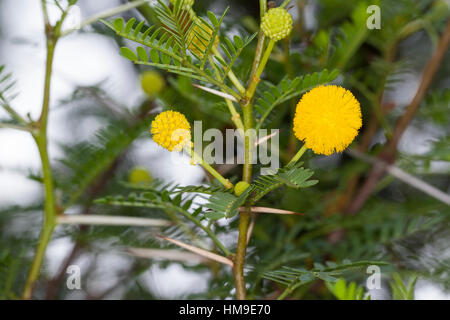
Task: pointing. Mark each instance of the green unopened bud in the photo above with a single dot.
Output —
(240, 187)
(152, 82)
(276, 24)
(139, 175)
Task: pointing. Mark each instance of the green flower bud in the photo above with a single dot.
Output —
(240, 187)
(276, 24)
(139, 175)
(152, 82)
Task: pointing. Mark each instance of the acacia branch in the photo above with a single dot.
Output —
(388, 153)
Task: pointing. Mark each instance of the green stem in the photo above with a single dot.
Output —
(262, 8)
(239, 259)
(15, 126)
(248, 143)
(48, 74)
(289, 290)
(49, 219)
(297, 156)
(244, 218)
(208, 168)
(235, 117)
(261, 39)
(41, 141)
(33, 274)
(256, 78)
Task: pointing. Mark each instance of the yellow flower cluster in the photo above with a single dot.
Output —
(327, 118)
(171, 130)
(276, 24)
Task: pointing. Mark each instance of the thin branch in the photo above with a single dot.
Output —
(45, 14)
(264, 139)
(15, 126)
(111, 220)
(388, 153)
(201, 252)
(171, 254)
(403, 176)
(5, 105)
(270, 210)
(216, 92)
(427, 78)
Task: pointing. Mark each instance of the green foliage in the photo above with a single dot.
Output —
(8, 272)
(6, 85)
(399, 290)
(295, 277)
(350, 36)
(226, 204)
(295, 177)
(157, 195)
(288, 89)
(435, 107)
(347, 291)
(395, 225)
(233, 50)
(6, 96)
(86, 161)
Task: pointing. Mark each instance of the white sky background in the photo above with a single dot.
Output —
(86, 59)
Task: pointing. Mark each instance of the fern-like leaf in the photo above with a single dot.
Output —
(295, 277)
(351, 36)
(225, 204)
(295, 177)
(288, 89)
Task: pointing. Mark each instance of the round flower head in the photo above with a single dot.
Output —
(171, 130)
(276, 24)
(327, 118)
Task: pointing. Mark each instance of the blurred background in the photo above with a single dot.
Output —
(95, 101)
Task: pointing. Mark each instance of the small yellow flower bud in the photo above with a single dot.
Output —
(139, 175)
(152, 82)
(276, 24)
(240, 187)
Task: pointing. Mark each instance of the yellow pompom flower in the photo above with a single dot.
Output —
(171, 130)
(327, 118)
(199, 37)
(276, 24)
